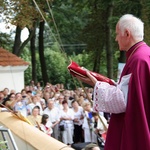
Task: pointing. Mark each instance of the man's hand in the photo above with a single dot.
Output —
(91, 80)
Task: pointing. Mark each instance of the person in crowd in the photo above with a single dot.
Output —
(32, 87)
(57, 87)
(83, 95)
(52, 95)
(46, 125)
(88, 123)
(29, 93)
(67, 98)
(21, 104)
(80, 101)
(100, 127)
(35, 118)
(54, 117)
(72, 94)
(66, 119)
(24, 92)
(26, 98)
(58, 103)
(91, 146)
(128, 101)
(46, 97)
(35, 102)
(12, 91)
(55, 96)
(27, 88)
(78, 121)
(10, 101)
(38, 86)
(32, 83)
(1, 97)
(39, 94)
(61, 87)
(5, 92)
(48, 88)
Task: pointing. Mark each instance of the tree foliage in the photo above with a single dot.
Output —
(84, 29)
(21, 13)
(6, 41)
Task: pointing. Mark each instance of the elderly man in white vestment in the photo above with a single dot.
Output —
(54, 117)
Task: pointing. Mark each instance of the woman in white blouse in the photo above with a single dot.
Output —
(66, 118)
(78, 121)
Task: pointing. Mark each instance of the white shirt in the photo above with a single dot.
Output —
(78, 115)
(68, 114)
(48, 125)
(54, 114)
(58, 105)
(101, 126)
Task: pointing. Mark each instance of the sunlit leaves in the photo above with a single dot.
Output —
(22, 13)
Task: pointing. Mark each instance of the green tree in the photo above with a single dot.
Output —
(70, 21)
(22, 14)
(70, 24)
(6, 41)
(97, 34)
(56, 65)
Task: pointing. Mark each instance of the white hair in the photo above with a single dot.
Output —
(50, 100)
(133, 24)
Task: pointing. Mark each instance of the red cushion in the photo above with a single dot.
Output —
(76, 70)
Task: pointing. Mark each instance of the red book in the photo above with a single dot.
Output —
(76, 70)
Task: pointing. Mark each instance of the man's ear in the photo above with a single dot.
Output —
(127, 33)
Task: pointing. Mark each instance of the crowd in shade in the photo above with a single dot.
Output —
(66, 115)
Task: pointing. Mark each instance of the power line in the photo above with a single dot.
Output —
(70, 45)
(59, 42)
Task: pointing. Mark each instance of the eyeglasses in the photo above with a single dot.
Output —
(12, 97)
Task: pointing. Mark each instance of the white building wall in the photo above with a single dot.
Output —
(12, 77)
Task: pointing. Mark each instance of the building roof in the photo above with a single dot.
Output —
(9, 59)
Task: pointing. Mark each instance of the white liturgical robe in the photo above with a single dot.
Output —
(110, 98)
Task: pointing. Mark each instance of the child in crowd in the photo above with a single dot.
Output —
(46, 125)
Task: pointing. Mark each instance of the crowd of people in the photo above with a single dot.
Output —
(64, 114)
(67, 115)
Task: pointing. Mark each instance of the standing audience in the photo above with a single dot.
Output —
(53, 106)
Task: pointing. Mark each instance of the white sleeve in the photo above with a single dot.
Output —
(101, 126)
(109, 98)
